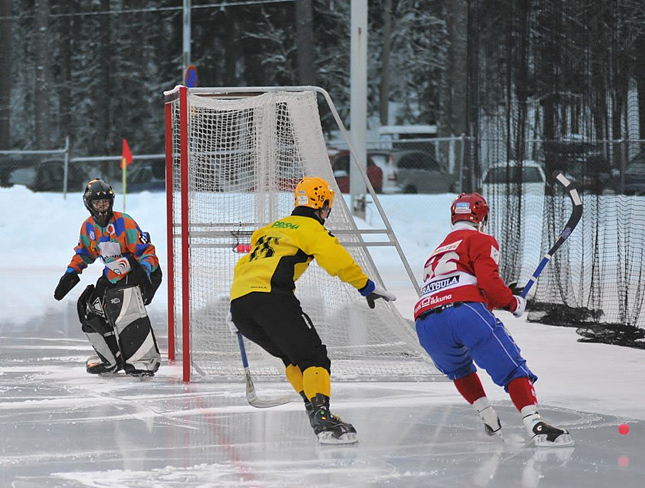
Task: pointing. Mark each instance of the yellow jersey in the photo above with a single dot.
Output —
(282, 251)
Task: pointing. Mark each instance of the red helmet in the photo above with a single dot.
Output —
(471, 207)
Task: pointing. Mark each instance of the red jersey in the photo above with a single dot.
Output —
(464, 268)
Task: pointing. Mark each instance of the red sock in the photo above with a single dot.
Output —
(522, 393)
(470, 387)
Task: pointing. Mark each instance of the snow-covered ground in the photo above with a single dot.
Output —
(63, 428)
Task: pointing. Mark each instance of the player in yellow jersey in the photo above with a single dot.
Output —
(265, 310)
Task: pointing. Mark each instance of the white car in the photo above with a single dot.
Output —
(412, 171)
(502, 177)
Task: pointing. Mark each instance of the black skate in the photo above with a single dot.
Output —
(545, 435)
(142, 374)
(328, 428)
(309, 408)
(95, 365)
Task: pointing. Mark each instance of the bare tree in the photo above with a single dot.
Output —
(385, 63)
(5, 72)
(453, 106)
(43, 53)
(305, 42)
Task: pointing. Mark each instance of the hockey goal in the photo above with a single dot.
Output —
(233, 159)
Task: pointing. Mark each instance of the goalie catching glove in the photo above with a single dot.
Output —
(67, 282)
(373, 292)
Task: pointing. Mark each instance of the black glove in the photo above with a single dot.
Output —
(155, 283)
(517, 290)
(147, 284)
(373, 292)
(66, 283)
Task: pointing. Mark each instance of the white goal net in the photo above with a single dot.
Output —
(235, 159)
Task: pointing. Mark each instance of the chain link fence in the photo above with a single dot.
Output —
(56, 170)
(419, 165)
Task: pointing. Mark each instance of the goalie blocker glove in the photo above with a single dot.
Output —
(66, 283)
(373, 292)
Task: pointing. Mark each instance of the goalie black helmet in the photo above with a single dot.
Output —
(99, 200)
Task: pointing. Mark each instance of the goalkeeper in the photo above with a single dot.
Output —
(456, 326)
(265, 309)
(112, 312)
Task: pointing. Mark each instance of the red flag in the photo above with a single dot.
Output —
(126, 155)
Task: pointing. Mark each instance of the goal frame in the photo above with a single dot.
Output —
(181, 93)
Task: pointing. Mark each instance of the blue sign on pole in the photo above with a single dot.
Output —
(190, 77)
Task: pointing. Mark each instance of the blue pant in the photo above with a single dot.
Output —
(459, 335)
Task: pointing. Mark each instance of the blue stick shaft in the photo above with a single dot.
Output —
(534, 278)
(240, 341)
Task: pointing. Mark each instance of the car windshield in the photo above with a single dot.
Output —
(418, 161)
(513, 175)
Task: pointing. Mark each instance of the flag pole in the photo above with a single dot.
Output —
(123, 180)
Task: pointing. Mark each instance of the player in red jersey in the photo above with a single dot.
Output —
(456, 326)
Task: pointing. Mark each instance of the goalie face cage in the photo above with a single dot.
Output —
(233, 159)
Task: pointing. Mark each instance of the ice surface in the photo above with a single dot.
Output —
(63, 428)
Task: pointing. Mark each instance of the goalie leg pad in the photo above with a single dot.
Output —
(98, 331)
(105, 346)
(126, 312)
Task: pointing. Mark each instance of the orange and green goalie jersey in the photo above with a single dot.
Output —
(113, 244)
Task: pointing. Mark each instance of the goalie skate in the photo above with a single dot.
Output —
(142, 375)
(95, 365)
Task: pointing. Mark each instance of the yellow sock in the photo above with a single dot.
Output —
(316, 380)
(294, 375)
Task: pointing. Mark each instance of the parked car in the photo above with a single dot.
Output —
(582, 161)
(146, 175)
(382, 158)
(49, 175)
(412, 171)
(634, 177)
(340, 161)
(505, 177)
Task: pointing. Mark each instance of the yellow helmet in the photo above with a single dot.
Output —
(313, 193)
